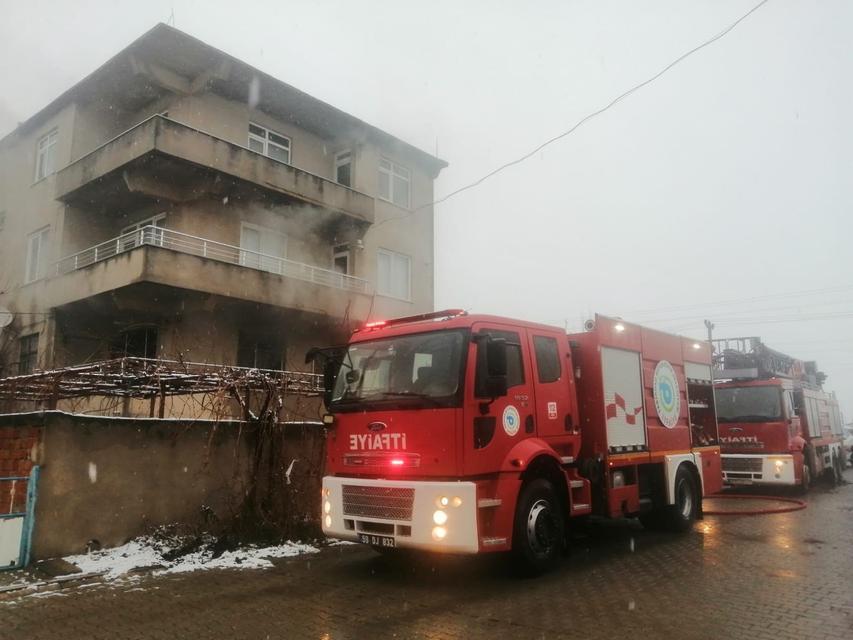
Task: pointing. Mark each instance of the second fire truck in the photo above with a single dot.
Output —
(777, 424)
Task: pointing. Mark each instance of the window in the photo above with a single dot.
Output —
(402, 369)
(46, 155)
(394, 274)
(37, 255)
(131, 239)
(259, 352)
(269, 143)
(343, 168)
(140, 342)
(340, 259)
(263, 247)
(514, 361)
(394, 183)
(547, 358)
(29, 353)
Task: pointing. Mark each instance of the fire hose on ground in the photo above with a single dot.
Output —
(795, 505)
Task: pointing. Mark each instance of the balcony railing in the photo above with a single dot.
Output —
(184, 243)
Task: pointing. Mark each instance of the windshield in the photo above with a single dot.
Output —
(749, 404)
(424, 366)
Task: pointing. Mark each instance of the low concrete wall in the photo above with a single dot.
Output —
(111, 479)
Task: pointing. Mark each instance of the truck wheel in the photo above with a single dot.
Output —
(539, 528)
(680, 516)
(838, 470)
(806, 482)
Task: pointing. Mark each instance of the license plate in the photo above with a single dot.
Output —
(739, 481)
(376, 541)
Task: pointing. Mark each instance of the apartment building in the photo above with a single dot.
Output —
(179, 203)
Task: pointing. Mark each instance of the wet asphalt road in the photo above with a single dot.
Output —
(778, 577)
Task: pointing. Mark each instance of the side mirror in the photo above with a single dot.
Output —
(330, 373)
(496, 357)
(493, 383)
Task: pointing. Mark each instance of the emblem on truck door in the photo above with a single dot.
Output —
(511, 420)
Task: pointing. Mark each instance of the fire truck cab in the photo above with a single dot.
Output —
(463, 433)
(777, 425)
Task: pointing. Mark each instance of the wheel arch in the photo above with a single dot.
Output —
(672, 465)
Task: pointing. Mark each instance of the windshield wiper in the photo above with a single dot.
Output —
(411, 394)
(750, 417)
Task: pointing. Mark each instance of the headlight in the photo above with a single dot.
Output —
(328, 521)
(779, 463)
(457, 501)
(439, 517)
(327, 507)
(443, 501)
(439, 533)
(618, 479)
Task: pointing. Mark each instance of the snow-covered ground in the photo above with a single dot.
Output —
(146, 552)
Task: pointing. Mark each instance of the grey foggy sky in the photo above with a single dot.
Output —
(727, 179)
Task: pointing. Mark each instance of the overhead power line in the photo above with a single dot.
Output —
(750, 299)
(582, 121)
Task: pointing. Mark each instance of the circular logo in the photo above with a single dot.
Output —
(511, 420)
(667, 397)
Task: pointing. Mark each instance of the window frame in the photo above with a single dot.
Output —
(266, 142)
(342, 251)
(43, 236)
(349, 161)
(392, 255)
(51, 138)
(31, 354)
(393, 171)
(537, 339)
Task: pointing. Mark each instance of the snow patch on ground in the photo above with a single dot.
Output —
(143, 553)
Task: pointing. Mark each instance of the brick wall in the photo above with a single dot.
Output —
(18, 452)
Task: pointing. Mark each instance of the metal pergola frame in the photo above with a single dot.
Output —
(145, 378)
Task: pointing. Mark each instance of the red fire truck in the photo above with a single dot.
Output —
(777, 425)
(463, 433)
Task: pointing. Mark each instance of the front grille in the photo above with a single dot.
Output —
(388, 503)
(752, 465)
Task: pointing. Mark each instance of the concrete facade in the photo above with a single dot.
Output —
(162, 130)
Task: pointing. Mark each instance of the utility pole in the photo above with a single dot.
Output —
(710, 327)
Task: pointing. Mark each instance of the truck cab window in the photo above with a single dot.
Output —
(547, 358)
(514, 362)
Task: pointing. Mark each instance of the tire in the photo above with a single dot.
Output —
(681, 515)
(806, 482)
(538, 530)
(837, 470)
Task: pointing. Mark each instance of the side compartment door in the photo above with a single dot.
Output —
(553, 378)
(489, 436)
(623, 397)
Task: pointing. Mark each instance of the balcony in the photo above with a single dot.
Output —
(161, 159)
(178, 260)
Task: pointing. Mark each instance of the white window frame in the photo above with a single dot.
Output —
(157, 238)
(339, 162)
(342, 251)
(256, 259)
(266, 143)
(395, 170)
(46, 154)
(392, 255)
(37, 262)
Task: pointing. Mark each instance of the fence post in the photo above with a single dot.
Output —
(29, 519)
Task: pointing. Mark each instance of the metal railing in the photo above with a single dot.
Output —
(151, 235)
